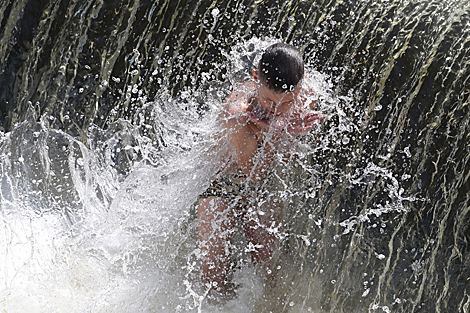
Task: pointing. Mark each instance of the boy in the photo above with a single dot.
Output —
(257, 119)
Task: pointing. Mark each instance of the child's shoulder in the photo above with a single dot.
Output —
(241, 92)
(234, 109)
(235, 114)
(236, 103)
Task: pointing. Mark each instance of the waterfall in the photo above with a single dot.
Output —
(104, 111)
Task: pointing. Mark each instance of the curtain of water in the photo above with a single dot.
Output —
(378, 221)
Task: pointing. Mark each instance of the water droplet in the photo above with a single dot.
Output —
(366, 292)
(407, 152)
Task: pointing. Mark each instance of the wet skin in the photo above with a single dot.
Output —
(246, 124)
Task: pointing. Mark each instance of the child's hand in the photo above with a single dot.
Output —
(297, 123)
(303, 123)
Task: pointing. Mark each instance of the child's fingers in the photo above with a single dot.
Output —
(301, 123)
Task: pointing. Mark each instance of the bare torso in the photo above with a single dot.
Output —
(246, 123)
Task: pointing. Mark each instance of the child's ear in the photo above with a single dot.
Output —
(255, 74)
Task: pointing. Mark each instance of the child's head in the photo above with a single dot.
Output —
(281, 67)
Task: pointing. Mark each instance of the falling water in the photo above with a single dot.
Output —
(105, 111)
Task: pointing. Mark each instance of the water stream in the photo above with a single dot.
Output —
(106, 108)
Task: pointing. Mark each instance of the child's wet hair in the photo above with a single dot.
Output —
(281, 67)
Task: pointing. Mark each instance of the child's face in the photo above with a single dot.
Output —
(276, 103)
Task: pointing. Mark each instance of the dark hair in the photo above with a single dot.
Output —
(281, 67)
